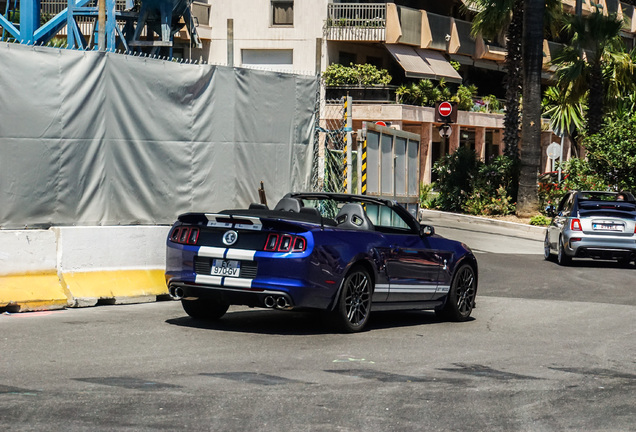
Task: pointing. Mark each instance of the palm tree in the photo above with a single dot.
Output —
(593, 40)
(496, 20)
(566, 115)
(619, 80)
(528, 199)
(503, 19)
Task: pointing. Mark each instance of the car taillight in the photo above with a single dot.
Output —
(576, 225)
(285, 243)
(185, 235)
(300, 244)
(272, 242)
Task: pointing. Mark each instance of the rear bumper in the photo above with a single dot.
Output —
(252, 298)
(601, 247)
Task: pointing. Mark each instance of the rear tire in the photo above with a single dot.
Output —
(354, 303)
(547, 253)
(562, 258)
(204, 309)
(461, 296)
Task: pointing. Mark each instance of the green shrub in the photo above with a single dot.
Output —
(480, 203)
(427, 197)
(456, 175)
(464, 97)
(423, 93)
(468, 185)
(577, 175)
(360, 74)
(540, 220)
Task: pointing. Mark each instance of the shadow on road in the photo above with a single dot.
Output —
(302, 323)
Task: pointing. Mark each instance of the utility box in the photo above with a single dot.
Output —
(393, 165)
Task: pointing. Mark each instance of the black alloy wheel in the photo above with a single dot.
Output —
(204, 309)
(461, 297)
(354, 305)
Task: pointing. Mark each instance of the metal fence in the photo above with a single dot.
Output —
(356, 21)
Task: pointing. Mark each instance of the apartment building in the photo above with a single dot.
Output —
(413, 39)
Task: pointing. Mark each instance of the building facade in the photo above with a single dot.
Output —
(411, 39)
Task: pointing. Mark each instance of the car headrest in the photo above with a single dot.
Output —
(310, 210)
(353, 216)
(257, 206)
(288, 204)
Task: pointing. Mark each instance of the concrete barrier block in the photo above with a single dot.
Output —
(27, 251)
(114, 265)
(28, 271)
(32, 292)
(114, 286)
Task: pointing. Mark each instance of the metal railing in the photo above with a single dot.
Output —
(53, 7)
(353, 21)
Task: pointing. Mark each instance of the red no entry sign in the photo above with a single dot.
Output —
(445, 109)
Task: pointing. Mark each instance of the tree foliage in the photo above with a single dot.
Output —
(468, 185)
(612, 152)
(593, 41)
(426, 93)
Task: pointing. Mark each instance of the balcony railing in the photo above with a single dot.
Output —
(50, 8)
(356, 22)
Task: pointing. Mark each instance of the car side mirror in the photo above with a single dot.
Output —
(426, 230)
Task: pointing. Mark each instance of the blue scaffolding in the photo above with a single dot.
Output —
(123, 27)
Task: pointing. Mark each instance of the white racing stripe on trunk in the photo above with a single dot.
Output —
(240, 254)
(209, 280)
(237, 283)
(211, 252)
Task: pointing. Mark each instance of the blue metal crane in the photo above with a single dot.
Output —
(163, 17)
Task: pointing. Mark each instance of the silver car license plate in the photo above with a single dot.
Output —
(227, 268)
(607, 227)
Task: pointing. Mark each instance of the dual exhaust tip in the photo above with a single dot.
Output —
(176, 293)
(278, 302)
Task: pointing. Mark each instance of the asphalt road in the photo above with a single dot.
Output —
(549, 349)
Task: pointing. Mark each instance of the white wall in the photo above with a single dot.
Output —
(252, 30)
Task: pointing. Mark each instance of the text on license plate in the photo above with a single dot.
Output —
(229, 268)
(607, 227)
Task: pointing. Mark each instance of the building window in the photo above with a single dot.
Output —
(275, 59)
(282, 13)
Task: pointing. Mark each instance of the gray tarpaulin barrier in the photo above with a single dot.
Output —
(89, 138)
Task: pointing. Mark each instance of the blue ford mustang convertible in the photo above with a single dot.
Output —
(346, 254)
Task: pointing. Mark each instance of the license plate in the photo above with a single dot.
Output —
(227, 268)
(607, 227)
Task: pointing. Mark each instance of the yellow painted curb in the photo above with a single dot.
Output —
(116, 286)
(31, 292)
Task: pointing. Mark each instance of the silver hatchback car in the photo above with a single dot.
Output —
(599, 225)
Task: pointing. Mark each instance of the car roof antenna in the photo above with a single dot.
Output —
(261, 194)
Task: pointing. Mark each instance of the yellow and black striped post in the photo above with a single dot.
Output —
(348, 122)
(363, 177)
(345, 148)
